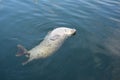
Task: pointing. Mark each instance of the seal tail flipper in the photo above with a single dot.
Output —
(21, 51)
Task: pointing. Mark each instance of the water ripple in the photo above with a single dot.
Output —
(98, 29)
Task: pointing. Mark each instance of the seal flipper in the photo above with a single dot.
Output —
(21, 51)
(24, 63)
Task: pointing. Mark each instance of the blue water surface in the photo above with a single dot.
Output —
(92, 54)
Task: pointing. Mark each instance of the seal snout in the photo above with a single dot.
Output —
(74, 31)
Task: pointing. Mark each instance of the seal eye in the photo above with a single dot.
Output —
(65, 30)
(55, 37)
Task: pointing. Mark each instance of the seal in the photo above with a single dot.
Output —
(51, 43)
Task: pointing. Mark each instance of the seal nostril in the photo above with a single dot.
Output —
(74, 33)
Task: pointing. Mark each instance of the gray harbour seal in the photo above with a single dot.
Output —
(48, 46)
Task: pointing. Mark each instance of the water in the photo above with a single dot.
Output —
(92, 54)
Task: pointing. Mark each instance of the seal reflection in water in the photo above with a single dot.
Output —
(48, 46)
